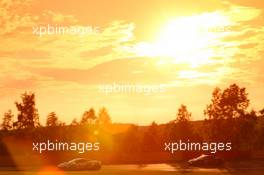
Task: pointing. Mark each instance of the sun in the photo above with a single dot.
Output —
(186, 39)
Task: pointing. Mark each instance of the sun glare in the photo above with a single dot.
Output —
(187, 39)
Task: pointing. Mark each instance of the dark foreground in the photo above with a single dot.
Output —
(237, 168)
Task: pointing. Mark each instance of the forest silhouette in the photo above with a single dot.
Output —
(226, 119)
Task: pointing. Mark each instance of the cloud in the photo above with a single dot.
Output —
(69, 67)
(25, 54)
(75, 58)
(106, 72)
(15, 83)
(252, 3)
(65, 51)
(248, 46)
(13, 16)
(96, 52)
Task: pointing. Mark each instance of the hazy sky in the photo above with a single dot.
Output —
(188, 46)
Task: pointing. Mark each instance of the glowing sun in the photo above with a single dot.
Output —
(187, 39)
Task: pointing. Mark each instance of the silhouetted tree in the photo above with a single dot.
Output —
(230, 103)
(244, 134)
(259, 140)
(183, 115)
(261, 112)
(180, 128)
(222, 114)
(103, 117)
(132, 140)
(7, 123)
(88, 117)
(74, 122)
(27, 112)
(53, 120)
(151, 140)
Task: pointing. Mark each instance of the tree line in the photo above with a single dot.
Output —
(28, 117)
(226, 119)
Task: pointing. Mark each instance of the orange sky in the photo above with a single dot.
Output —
(151, 42)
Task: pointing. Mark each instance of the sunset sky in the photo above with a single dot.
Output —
(189, 46)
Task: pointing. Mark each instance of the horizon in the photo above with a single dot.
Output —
(182, 54)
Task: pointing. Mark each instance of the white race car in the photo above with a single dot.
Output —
(80, 164)
(206, 161)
